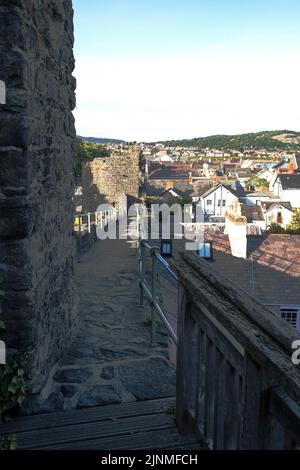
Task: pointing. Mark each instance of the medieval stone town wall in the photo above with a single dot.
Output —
(107, 179)
(36, 179)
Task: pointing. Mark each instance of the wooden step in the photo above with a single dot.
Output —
(95, 430)
(87, 415)
(165, 439)
(138, 425)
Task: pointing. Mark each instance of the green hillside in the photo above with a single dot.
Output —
(269, 140)
(100, 140)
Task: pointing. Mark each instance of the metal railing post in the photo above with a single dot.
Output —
(89, 222)
(152, 292)
(138, 230)
(79, 232)
(154, 295)
(142, 253)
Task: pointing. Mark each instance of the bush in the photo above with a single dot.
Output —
(12, 385)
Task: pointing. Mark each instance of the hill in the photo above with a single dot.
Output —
(100, 140)
(269, 140)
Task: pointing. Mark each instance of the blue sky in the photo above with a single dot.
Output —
(153, 70)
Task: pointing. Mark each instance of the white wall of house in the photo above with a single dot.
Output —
(287, 195)
(217, 202)
(292, 196)
(277, 214)
(277, 189)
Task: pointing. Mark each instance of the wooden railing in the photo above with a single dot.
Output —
(237, 386)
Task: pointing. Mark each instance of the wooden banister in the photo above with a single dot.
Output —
(233, 357)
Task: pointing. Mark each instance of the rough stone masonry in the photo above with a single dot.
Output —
(106, 180)
(36, 179)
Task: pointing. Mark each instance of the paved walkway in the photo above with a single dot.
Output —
(110, 361)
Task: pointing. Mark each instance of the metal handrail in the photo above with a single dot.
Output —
(102, 217)
(151, 293)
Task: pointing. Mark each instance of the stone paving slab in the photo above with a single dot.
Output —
(110, 360)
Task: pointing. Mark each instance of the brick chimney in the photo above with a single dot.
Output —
(236, 229)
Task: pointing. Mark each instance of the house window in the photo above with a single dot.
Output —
(219, 203)
(279, 217)
(166, 248)
(290, 315)
(224, 203)
(209, 202)
(205, 250)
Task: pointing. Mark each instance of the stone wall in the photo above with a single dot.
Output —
(36, 179)
(107, 179)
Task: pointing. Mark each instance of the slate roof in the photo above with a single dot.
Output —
(258, 194)
(266, 206)
(272, 275)
(252, 213)
(213, 188)
(182, 188)
(290, 180)
(172, 173)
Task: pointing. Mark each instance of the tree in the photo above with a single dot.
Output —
(257, 182)
(294, 226)
(80, 156)
(86, 151)
(275, 228)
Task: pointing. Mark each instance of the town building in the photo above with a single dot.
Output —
(287, 188)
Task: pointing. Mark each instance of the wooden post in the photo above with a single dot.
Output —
(154, 295)
(182, 365)
(251, 403)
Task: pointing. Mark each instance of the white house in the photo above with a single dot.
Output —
(266, 174)
(280, 213)
(217, 199)
(287, 187)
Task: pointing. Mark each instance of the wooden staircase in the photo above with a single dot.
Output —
(139, 425)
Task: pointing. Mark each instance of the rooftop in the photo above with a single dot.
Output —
(252, 213)
(213, 188)
(268, 205)
(172, 173)
(290, 180)
(271, 271)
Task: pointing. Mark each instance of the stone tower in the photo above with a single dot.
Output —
(36, 179)
(107, 179)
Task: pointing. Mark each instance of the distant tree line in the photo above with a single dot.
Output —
(86, 152)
